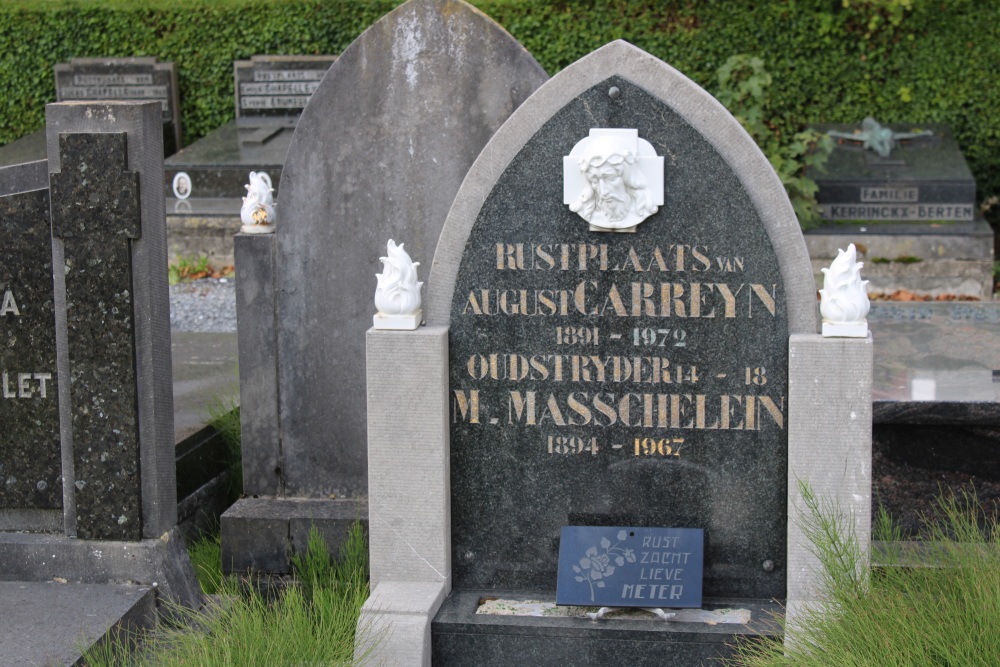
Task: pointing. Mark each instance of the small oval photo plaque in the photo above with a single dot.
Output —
(630, 567)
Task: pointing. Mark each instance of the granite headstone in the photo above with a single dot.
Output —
(84, 264)
(379, 153)
(112, 319)
(591, 372)
(30, 456)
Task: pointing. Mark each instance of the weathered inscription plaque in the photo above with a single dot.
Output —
(277, 88)
(30, 470)
(630, 567)
(125, 79)
(618, 379)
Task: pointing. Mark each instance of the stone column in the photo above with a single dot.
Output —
(409, 493)
(829, 447)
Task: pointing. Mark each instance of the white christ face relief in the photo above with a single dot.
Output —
(613, 179)
(608, 183)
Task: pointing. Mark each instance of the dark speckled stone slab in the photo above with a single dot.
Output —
(462, 637)
(30, 464)
(95, 210)
(563, 430)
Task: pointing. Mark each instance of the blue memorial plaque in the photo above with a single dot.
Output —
(630, 567)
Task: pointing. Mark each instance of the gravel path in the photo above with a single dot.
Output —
(208, 304)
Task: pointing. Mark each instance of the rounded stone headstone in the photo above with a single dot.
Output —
(379, 153)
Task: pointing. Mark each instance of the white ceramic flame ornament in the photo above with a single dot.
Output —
(844, 301)
(258, 212)
(613, 179)
(397, 295)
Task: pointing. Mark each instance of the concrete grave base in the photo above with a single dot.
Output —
(202, 233)
(261, 534)
(395, 624)
(88, 615)
(161, 563)
(462, 637)
(947, 258)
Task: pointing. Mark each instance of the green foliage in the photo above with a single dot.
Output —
(936, 602)
(743, 88)
(305, 625)
(188, 268)
(206, 557)
(915, 61)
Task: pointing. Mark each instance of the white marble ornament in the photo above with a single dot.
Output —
(258, 212)
(844, 300)
(397, 296)
(613, 179)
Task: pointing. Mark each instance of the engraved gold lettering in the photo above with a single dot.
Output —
(765, 298)
(518, 407)
(467, 406)
(777, 413)
(552, 412)
(605, 409)
(729, 298)
(706, 263)
(579, 408)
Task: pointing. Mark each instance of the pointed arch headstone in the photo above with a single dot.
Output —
(615, 357)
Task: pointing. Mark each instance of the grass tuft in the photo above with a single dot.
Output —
(312, 622)
(936, 602)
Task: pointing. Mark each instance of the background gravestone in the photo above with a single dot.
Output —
(912, 215)
(125, 79)
(30, 456)
(107, 79)
(275, 89)
(378, 153)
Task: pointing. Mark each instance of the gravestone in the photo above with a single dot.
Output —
(30, 477)
(90, 421)
(204, 182)
(911, 214)
(429, 84)
(598, 355)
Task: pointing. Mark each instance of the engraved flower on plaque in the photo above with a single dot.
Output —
(613, 179)
(597, 565)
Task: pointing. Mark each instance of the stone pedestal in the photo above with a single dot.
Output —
(829, 448)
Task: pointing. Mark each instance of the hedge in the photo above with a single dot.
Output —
(917, 61)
